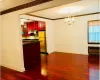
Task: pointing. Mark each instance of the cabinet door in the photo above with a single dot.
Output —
(31, 55)
(41, 26)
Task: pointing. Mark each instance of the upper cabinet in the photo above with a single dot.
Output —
(32, 27)
(36, 25)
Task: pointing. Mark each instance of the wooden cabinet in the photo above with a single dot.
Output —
(31, 52)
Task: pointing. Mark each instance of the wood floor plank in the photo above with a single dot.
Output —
(58, 66)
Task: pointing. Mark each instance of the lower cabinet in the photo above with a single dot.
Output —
(31, 53)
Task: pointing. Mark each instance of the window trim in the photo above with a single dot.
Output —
(88, 33)
(92, 43)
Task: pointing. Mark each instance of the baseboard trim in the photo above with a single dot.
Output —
(70, 53)
(16, 69)
(44, 53)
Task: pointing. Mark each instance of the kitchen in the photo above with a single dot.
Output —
(34, 41)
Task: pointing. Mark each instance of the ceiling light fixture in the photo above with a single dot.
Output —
(69, 10)
(70, 20)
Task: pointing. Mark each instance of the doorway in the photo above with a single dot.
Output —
(34, 30)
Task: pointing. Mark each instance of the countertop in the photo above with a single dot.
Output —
(30, 41)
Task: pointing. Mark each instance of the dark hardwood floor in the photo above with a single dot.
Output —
(58, 66)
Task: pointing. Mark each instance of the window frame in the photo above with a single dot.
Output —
(88, 33)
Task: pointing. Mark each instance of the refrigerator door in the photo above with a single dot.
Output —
(42, 38)
(41, 34)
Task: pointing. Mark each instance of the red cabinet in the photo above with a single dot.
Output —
(28, 27)
(36, 25)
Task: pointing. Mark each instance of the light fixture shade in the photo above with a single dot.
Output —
(73, 19)
(69, 20)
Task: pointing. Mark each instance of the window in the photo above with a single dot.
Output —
(94, 32)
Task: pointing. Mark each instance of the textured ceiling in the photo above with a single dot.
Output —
(85, 6)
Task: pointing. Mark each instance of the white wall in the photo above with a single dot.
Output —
(12, 56)
(49, 31)
(72, 38)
